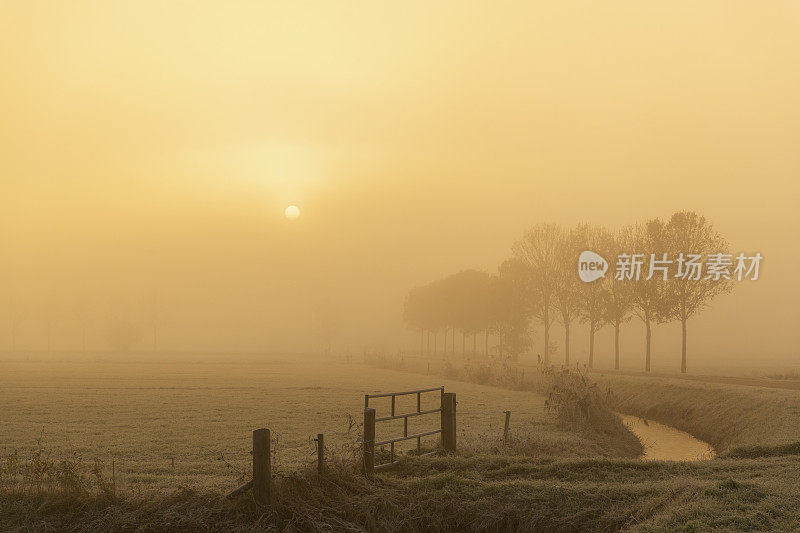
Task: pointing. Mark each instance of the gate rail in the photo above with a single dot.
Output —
(447, 427)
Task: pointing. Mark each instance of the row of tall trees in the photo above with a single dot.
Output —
(470, 302)
(539, 283)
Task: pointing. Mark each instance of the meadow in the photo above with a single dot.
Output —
(166, 425)
(552, 475)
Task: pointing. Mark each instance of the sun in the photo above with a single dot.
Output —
(292, 212)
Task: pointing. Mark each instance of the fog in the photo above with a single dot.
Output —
(148, 151)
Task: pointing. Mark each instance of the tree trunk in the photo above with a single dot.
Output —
(444, 349)
(435, 335)
(429, 342)
(591, 344)
(616, 346)
(647, 337)
(566, 343)
(486, 343)
(463, 342)
(421, 342)
(474, 344)
(683, 345)
(453, 347)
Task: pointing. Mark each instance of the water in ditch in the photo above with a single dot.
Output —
(665, 443)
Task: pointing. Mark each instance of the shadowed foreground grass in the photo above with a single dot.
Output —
(460, 492)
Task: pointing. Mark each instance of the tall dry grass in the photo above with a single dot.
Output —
(462, 492)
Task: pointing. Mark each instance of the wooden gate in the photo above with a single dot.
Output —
(447, 428)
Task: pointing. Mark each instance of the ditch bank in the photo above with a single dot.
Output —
(738, 421)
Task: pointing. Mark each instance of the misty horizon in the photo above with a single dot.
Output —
(130, 177)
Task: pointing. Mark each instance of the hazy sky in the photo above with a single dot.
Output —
(148, 150)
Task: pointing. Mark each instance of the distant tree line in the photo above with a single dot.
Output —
(120, 330)
(539, 283)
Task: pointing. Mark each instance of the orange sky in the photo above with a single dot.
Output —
(151, 147)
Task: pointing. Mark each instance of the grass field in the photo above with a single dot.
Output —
(549, 477)
(142, 415)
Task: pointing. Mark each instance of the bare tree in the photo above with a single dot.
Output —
(567, 293)
(689, 290)
(459, 301)
(511, 306)
(619, 299)
(648, 297)
(593, 295)
(539, 251)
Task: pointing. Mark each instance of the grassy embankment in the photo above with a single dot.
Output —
(516, 487)
(738, 420)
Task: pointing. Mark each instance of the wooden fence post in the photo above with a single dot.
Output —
(369, 442)
(261, 466)
(320, 453)
(449, 421)
(505, 428)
